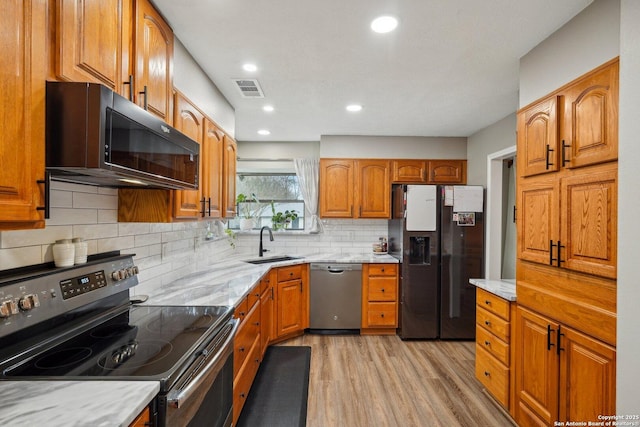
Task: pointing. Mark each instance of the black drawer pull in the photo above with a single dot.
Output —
(487, 343)
(486, 322)
(487, 373)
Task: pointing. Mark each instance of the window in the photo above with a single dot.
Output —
(273, 199)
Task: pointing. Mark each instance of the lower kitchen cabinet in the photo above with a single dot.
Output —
(561, 373)
(142, 420)
(493, 345)
(379, 298)
(292, 300)
(267, 303)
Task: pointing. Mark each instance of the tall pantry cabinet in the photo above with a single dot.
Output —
(565, 326)
(22, 81)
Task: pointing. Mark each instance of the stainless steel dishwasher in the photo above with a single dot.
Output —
(335, 298)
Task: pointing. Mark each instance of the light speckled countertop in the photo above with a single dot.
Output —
(117, 403)
(503, 288)
(74, 403)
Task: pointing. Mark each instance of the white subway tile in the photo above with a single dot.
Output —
(96, 201)
(68, 186)
(133, 228)
(147, 239)
(107, 216)
(20, 257)
(117, 243)
(61, 199)
(48, 235)
(157, 227)
(95, 231)
(64, 216)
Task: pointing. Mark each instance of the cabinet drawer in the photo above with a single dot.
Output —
(493, 303)
(493, 375)
(254, 296)
(241, 310)
(244, 379)
(247, 333)
(496, 325)
(383, 269)
(289, 273)
(494, 345)
(381, 314)
(382, 289)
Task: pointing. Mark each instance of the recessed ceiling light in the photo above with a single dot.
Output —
(384, 24)
(268, 108)
(354, 108)
(264, 132)
(249, 67)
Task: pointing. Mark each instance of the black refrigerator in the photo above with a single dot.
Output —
(437, 234)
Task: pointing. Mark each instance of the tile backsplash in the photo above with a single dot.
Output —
(163, 252)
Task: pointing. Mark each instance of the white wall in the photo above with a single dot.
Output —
(491, 139)
(628, 347)
(393, 147)
(189, 79)
(590, 39)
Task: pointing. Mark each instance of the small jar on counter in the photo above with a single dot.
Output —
(63, 253)
(80, 247)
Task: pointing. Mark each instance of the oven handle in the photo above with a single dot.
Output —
(178, 398)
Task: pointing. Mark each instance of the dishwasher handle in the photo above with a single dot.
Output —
(335, 271)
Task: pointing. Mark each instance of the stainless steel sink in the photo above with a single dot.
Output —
(272, 259)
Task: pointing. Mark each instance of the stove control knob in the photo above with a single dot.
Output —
(29, 302)
(7, 308)
(117, 275)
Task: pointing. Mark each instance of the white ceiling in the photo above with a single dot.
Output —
(449, 69)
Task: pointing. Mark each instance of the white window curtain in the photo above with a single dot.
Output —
(308, 172)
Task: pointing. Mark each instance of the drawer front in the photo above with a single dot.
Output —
(265, 282)
(383, 269)
(382, 289)
(254, 296)
(493, 375)
(493, 303)
(244, 379)
(381, 314)
(241, 310)
(289, 273)
(496, 325)
(494, 345)
(247, 333)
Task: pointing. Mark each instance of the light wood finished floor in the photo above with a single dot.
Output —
(377, 381)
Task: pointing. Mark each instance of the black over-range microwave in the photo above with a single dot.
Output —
(95, 136)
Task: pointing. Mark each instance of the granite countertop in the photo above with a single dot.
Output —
(74, 403)
(503, 288)
(117, 403)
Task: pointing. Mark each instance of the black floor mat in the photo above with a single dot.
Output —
(278, 396)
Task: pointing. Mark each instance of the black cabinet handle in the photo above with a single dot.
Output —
(47, 190)
(202, 203)
(130, 83)
(209, 203)
(551, 258)
(144, 92)
(549, 343)
(548, 163)
(560, 260)
(564, 156)
(558, 348)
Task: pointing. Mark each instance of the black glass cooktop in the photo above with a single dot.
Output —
(143, 342)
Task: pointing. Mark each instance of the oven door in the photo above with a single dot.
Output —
(204, 394)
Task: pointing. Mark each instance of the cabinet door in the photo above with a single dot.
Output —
(591, 118)
(336, 188)
(93, 42)
(536, 369)
(290, 307)
(589, 219)
(212, 168)
(188, 120)
(22, 117)
(373, 189)
(409, 171)
(153, 52)
(538, 137)
(538, 218)
(266, 317)
(588, 373)
(447, 172)
(230, 157)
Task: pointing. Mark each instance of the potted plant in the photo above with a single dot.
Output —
(283, 219)
(245, 210)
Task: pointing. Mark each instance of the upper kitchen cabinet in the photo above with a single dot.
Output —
(189, 204)
(447, 172)
(153, 61)
(409, 171)
(230, 158)
(211, 177)
(355, 188)
(92, 43)
(575, 126)
(22, 68)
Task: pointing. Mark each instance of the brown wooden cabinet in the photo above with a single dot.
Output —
(379, 298)
(409, 171)
(211, 176)
(447, 172)
(561, 374)
(355, 188)
(92, 43)
(142, 420)
(493, 345)
(292, 300)
(230, 158)
(267, 304)
(153, 61)
(22, 120)
(575, 126)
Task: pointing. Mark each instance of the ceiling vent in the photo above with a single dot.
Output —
(249, 88)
